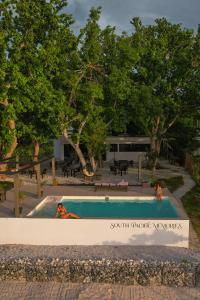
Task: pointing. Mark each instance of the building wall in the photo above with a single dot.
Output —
(59, 149)
(123, 155)
(117, 152)
(118, 155)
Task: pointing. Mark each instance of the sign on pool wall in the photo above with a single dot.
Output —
(162, 232)
(94, 232)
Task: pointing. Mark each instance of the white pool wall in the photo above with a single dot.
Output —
(54, 232)
(31, 231)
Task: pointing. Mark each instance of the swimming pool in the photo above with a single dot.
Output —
(110, 208)
(104, 221)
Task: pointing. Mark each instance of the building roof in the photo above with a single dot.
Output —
(127, 140)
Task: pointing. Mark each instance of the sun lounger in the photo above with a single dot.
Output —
(122, 186)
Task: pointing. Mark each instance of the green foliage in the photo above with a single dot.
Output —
(31, 52)
(162, 77)
(84, 107)
(94, 137)
(7, 185)
(26, 149)
(95, 82)
(182, 137)
(191, 203)
(196, 168)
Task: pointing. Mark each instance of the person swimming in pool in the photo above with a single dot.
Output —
(64, 214)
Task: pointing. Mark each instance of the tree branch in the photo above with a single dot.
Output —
(66, 136)
(82, 73)
(4, 102)
(170, 125)
(81, 127)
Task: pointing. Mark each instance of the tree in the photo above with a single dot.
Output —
(35, 31)
(84, 92)
(161, 78)
(182, 137)
(119, 59)
(9, 77)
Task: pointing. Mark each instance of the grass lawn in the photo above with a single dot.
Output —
(172, 183)
(191, 203)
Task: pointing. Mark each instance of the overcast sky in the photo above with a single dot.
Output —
(119, 12)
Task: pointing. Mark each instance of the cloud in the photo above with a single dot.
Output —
(119, 13)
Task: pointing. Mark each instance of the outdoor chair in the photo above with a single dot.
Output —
(74, 169)
(113, 170)
(65, 171)
(123, 168)
(23, 172)
(123, 163)
(44, 172)
(31, 173)
(116, 163)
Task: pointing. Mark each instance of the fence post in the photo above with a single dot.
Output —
(37, 169)
(16, 189)
(53, 164)
(139, 167)
(17, 162)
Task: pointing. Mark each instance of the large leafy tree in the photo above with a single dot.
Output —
(182, 137)
(40, 26)
(118, 60)
(162, 90)
(9, 78)
(84, 92)
(99, 87)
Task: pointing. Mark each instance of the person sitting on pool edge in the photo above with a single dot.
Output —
(64, 214)
(158, 191)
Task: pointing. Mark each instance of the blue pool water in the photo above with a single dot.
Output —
(119, 209)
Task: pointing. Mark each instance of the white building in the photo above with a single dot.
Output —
(118, 148)
(61, 148)
(126, 147)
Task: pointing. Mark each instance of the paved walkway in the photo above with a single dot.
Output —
(188, 185)
(180, 192)
(10, 290)
(172, 169)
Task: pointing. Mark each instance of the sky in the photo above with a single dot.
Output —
(120, 12)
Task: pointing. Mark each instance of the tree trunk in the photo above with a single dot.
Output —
(3, 168)
(93, 163)
(36, 152)
(155, 148)
(82, 161)
(156, 137)
(79, 153)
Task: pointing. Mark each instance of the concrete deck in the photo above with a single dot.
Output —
(74, 291)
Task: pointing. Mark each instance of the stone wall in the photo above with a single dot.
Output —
(119, 271)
